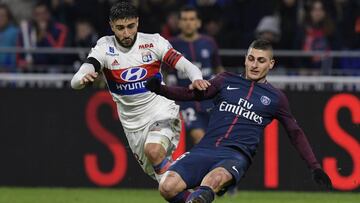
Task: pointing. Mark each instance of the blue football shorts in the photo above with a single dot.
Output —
(194, 165)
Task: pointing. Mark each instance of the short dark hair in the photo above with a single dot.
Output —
(188, 8)
(262, 44)
(123, 10)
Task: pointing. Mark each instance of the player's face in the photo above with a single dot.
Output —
(258, 63)
(189, 23)
(125, 30)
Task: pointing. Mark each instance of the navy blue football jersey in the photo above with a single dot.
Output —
(242, 110)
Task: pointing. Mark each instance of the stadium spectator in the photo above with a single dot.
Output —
(318, 33)
(152, 12)
(8, 38)
(245, 104)
(291, 14)
(202, 51)
(85, 36)
(70, 11)
(170, 28)
(269, 29)
(42, 31)
(127, 58)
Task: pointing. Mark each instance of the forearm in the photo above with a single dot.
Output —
(84, 69)
(192, 71)
(301, 143)
(185, 94)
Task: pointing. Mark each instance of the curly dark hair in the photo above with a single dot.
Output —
(123, 10)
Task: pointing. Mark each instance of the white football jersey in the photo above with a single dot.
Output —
(126, 74)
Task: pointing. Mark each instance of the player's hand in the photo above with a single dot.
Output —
(199, 85)
(321, 178)
(88, 78)
(153, 84)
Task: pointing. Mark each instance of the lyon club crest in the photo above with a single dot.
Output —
(146, 56)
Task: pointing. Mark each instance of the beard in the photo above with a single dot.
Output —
(126, 42)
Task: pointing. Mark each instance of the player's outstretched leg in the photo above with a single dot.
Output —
(203, 194)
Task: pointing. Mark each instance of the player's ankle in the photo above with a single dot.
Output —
(162, 167)
(180, 197)
(203, 194)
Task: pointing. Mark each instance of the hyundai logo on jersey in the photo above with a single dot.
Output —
(132, 80)
(133, 74)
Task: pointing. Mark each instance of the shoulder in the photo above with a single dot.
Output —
(105, 40)
(224, 75)
(279, 94)
(227, 74)
(153, 41)
(150, 37)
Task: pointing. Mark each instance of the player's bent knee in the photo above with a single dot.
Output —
(217, 179)
(171, 184)
(154, 152)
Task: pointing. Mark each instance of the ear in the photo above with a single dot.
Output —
(111, 25)
(272, 63)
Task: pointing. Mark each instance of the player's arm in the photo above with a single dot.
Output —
(184, 93)
(89, 70)
(87, 73)
(174, 59)
(300, 142)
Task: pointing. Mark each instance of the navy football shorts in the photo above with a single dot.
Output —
(194, 165)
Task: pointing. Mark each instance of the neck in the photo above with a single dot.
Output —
(260, 80)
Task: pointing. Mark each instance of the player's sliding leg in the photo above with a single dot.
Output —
(172, 188)
(212, 183)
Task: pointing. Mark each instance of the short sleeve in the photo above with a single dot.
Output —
(163, 46)
(98, 52)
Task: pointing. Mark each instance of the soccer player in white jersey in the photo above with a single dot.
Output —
(127, 59)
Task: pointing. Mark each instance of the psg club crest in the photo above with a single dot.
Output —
(133, 74)
(146, 56)
(265, 100)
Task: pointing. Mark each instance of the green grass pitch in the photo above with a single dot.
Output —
(64, 195)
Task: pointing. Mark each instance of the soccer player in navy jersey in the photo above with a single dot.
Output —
(202, 51)
(244, 105)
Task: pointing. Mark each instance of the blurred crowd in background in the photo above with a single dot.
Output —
(289, 24)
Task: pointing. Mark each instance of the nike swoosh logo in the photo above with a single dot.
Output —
(233, 167)
(232, 88)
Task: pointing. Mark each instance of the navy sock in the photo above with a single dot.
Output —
(180, 198)
(205, 193)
